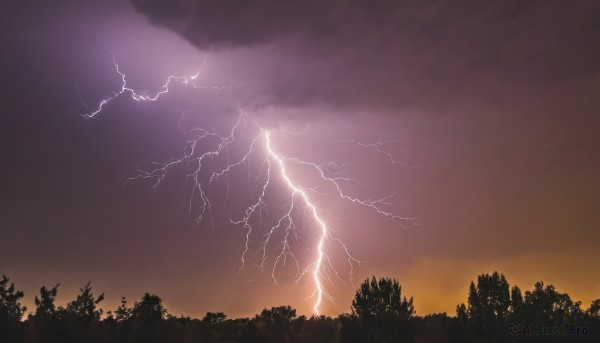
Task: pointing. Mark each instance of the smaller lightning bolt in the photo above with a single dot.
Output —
(190, 80)
(374, 204)
(191, 156)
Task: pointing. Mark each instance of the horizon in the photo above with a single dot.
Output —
(62, 300)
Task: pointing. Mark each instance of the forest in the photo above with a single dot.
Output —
(495, 312)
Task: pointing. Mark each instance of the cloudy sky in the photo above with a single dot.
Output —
(492, 108)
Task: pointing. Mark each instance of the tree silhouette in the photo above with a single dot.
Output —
(120, 324)
(82, 318)
(146, 319)
(84, 306)
(214, 318)
(516, 300)
(594, 310)
(277, 321)
(383, 312)
(547, 306)
(491, 307)
(150, 306)
(593, 316)
(45, 324)
(488, 306)
(11, 311)
(123, 312)
(457, 332)
(490, 312)
(278, 313)
(45, 303)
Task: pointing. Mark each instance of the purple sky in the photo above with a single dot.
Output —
(498, 102)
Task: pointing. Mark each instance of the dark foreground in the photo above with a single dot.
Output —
(379, 313)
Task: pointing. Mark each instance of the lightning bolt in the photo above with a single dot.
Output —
(324, 230)
(190, 80)
(208, 153)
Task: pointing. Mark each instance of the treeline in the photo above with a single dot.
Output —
(379, 313)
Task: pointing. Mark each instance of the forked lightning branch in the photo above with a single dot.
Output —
(201, 154)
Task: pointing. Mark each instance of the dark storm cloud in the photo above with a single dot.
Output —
(395, 53)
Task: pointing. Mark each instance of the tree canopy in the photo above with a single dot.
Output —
(379, 313)
(382, 312)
